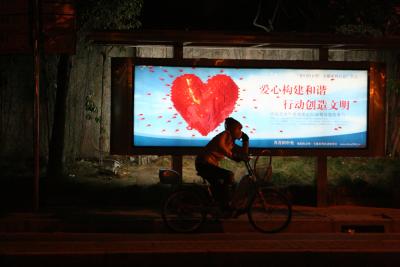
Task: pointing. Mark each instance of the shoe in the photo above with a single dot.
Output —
(226, 214)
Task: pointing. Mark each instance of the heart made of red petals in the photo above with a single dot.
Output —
(204, 105)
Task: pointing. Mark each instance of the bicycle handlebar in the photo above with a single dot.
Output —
(251, 170)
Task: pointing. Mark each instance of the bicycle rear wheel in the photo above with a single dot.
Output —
(269, 211)
(183, 211)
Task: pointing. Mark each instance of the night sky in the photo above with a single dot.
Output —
(287, 16)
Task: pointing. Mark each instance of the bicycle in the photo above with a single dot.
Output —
(268, 210)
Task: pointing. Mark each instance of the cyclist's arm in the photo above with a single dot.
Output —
(241, 152)
(245, 143)
(223, 145)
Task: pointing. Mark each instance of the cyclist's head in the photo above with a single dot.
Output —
(234, 127)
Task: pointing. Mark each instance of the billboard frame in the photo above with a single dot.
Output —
(122, 69)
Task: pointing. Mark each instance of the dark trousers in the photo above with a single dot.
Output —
(221, 180)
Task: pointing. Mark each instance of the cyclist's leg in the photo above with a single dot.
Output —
(228, 187)
(205, 171)
(223, 186)
(220, 180)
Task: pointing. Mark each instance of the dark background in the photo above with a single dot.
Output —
(238, 15)
(369, 17)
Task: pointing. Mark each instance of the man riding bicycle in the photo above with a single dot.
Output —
(221, 146)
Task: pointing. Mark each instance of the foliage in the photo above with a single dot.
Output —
(293, 170)
(349, 17)
(362, 30)
(106, 14)
(377, 172)
(91, 109)
(366, 17)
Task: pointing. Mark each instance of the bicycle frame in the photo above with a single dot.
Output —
(268, 210)
(206, 192)
(255, 181)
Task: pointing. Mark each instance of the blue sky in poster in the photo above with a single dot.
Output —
(277, 107)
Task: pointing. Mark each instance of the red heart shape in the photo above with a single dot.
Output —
(204, 105)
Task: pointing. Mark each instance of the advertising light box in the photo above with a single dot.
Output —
(311, 108)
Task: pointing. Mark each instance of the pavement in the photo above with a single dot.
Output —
(305, 219)
(240, 249)
(123, 236)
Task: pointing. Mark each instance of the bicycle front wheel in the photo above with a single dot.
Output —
(183, 211)
(269, 211)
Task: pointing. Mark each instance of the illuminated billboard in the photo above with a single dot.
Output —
(309, 108)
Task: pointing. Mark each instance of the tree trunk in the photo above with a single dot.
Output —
(56, 164)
